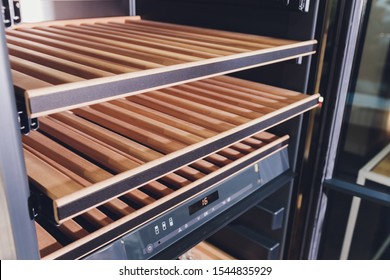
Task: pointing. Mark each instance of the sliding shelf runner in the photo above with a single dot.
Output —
(143, 137)
(63, 65)
(99, 226)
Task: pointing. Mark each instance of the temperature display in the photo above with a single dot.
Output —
(200, 204)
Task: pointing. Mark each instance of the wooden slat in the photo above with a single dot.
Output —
(53, 183)
(199, 108)
(114, 205)
(147, 123)
(205, 35)
(71, 56)
(145, 137)
(145, 32)
(191, 49)
(113, 139)
(85, 47)
(47, 244)
(190, 44)
(121, 47)
(75, 21)
(63, 65)
(40, 72)
(179, 112)
(258, 88)
(206, 251)
(84, 145)
(65, 157)
(24, 82)
(254, 101)
(72, 230)
(157, 189)
(171, 178)
(149, 46)
(212, 32)
(167, 119)
(219, 103)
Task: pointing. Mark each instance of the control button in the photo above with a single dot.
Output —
(170, 222)
(186, 226)
(179, 230)
(149, 248)
(205, 213)
(156, 230)
(164, 225)
(229, 199)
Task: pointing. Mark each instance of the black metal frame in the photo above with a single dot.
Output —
(324, 146)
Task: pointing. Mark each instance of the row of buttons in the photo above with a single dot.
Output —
(163, 226)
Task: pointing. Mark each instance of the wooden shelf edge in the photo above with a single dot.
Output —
(144, 215)
(44, 101)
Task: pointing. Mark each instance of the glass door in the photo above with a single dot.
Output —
(357, 219)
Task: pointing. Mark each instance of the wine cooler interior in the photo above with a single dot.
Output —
(148, 138)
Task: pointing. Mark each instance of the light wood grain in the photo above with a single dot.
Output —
(169, 40)
(179, 112)
(51, 182)
(148, 138)
(167, 119)
(85, 47)
(206, 35)
(255, 100)
(43, 152)
(98, 37)
(47, 244)
(63, 65)
(75, 21)
(212, 32)
(71, 56)
(147, 123)
(23, 82)
(258, 88)
(199, 108)
(221, 103)
(185, 53)
(206, 251)
(145, 31)
(118, 141)
(101, 154)
(41, 72)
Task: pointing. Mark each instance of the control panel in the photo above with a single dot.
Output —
(161, 232)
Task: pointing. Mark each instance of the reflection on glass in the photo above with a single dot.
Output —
(364, 153)
(367, 121)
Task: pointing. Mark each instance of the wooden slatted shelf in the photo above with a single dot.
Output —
(63, 65)
(112, 147)
(50, 162)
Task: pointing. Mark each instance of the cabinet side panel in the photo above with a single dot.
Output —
(20, 242)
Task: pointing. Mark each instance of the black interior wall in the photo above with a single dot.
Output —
(267, 18)
(253, 17)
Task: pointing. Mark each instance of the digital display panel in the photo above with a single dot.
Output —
(203, 202)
